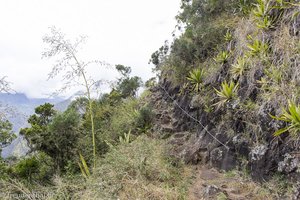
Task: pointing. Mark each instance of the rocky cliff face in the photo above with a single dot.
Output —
(263, 156)
(264, 63)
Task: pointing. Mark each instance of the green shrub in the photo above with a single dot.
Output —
(38, 167)
(4, 169)
(262, 12)
(144, 119)
(125, 138)
(151, 82)
(265, 23)
(123, 118)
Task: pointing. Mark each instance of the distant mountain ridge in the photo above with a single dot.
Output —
(21, 98)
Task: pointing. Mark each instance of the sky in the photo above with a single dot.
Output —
(119, 32)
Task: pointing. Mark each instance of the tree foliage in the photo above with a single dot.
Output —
(6, 133)
(37, 167)
(127, 86)
(53, 133)
(38, 132)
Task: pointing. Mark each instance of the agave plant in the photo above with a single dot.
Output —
(222, 57)
(292, 117)
(228, 36)
(239, 68)
(196, 78)
(226, 92)
(257, 47)
(265, 23)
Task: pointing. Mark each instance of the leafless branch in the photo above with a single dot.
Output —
(68, 61)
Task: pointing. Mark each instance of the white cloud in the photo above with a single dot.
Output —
(119, 32)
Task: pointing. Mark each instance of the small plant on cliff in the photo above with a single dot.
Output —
(196, 78)
(226, 92)
(257, 48)
(126, 138)
(265, 23)
(262, 7)
(228, 36)
(239, 68)
(245, 6)
(292, 117)
(222, 57)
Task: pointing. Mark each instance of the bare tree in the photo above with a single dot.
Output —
(72, 69)
(5, 85)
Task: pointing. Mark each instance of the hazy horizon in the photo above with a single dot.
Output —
(118, 32)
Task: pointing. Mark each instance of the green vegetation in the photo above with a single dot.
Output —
(258, 48)
(68, 61)
(261, 12)
(226, 93)
(292, 117)
(55, 134)
(127, 86)
(6, 134)
(83, 167)
(222, 57)
(38, 167)
(145, 170)
(106, 147)
(125, 138)
(196, 78)
(138, 170)
(238, 69)
(228, 36)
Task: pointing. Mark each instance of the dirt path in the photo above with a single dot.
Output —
(209, 184)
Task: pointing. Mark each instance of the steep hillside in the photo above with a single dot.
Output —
(221, 122)
(232, 80)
